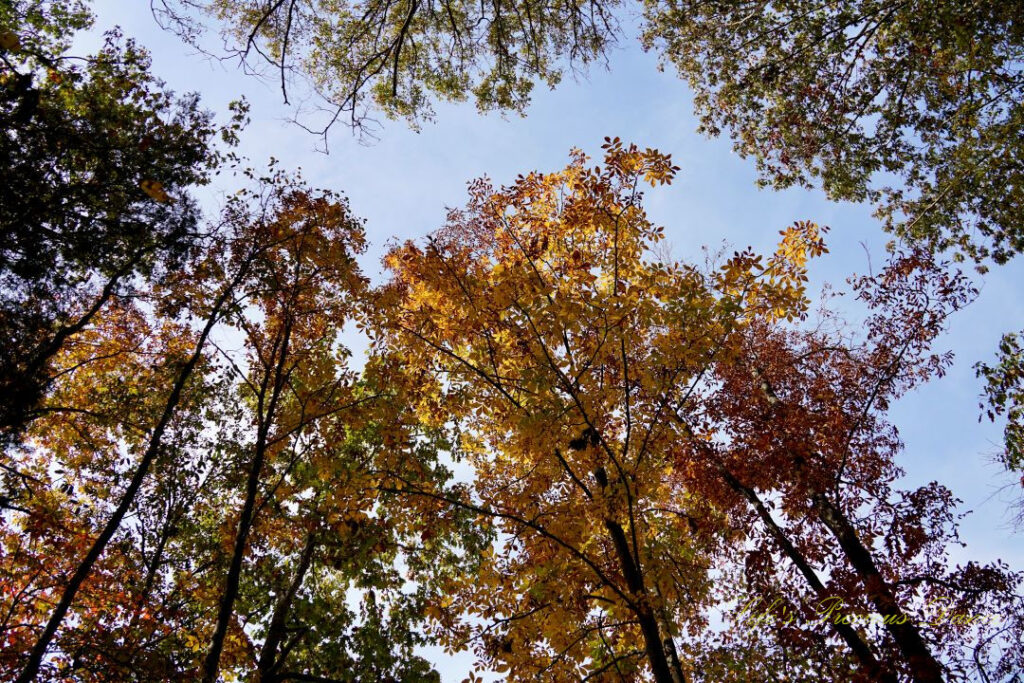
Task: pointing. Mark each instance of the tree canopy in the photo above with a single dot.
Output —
(564, 451)
(655, 439)
(914, 106)
(174, 506)
(98, 154)
(398, 56)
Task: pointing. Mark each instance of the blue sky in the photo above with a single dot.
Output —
(403, 183)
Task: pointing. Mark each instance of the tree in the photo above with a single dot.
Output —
(304, 285)
(308, 525)
(147, 449)
(218, 524)
(915, 107)
(142, 523)
(98, 155)
(925, 96)
(1004, 396)
(398, 56)
(850, 95)
(653, 441)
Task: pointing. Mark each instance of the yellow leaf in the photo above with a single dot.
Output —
(9, 41)
(155, 189)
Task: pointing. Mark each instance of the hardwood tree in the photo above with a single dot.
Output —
(654, 441)
(818, 427)
(303, 486)
(398, 56)
(666, 471)
(188, 508)
(97, 157)
(913, 106)
(87, 449)
(917, 108)
(142, 524)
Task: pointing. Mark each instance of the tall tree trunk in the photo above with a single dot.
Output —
(675, 667)
(276, 631)
(923, 666)
(654, 646)
(670, 644)
(868, 663)
(35, 658)
(267, 407)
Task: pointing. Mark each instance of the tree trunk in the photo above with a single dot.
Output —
(868, 663)
(275, 632)
(923, 666)
(211, 663)
(35, 658)
(653, 644)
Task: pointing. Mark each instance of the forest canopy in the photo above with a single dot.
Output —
(914, 107)
(565, 452)
(847, 95)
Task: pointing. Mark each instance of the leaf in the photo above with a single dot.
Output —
(155, 189)
(9, 41)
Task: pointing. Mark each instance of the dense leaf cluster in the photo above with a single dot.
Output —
(915, 106)
(81, 141)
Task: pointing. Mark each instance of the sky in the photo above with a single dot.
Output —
(403, 184)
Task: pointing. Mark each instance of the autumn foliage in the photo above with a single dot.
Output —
(563, 451)
(655, 441)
